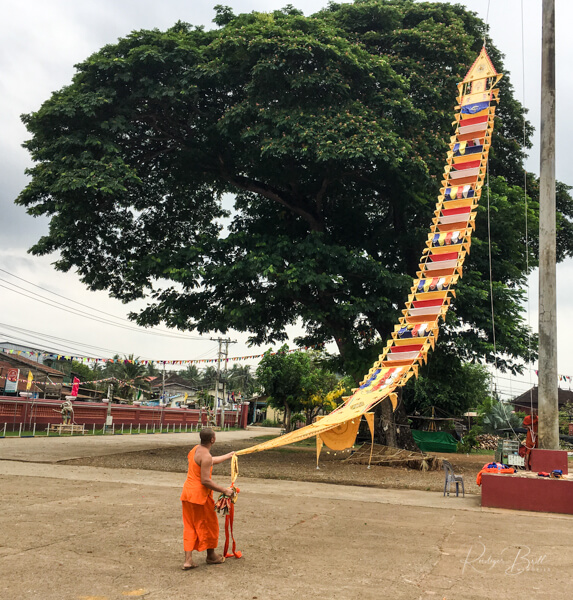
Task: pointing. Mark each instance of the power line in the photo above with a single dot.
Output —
(80, 313)
(51, 338)
(63, 342)
(156, 332)
(20, 340)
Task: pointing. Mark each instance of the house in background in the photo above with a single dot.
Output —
(48, 382)
(34, 354)
(175, 390)
(528, 400)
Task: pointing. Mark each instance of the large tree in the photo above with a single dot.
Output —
(330, 132)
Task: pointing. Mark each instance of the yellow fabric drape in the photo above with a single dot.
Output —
(359, 403)
(342, 436)
(370, 420)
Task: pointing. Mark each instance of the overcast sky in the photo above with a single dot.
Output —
(41, 41)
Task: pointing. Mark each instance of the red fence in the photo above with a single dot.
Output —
(22, 411)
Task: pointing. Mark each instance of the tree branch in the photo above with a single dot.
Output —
(267, 191)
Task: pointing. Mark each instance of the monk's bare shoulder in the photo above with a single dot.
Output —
(203, 457)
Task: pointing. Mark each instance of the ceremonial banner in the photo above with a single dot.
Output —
(452, 226)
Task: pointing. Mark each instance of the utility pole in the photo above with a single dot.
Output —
(220, 354)
(162, 403)
(109, 401)
(548, 381)
(227, 342)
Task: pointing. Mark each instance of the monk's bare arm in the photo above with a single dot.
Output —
(205, 464)
(219, 459)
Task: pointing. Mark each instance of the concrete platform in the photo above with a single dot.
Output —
(548, 460)
(532, 493)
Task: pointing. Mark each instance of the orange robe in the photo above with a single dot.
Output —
(200, 523)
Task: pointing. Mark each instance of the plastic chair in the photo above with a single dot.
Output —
(451, 477)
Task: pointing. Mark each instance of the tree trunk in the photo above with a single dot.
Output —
(287, 417)
(391, 428)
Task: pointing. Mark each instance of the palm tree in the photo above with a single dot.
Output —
(191, 374)
(132, 375)
(241, 379)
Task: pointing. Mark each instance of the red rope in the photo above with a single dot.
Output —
(226, 505)
(229, 530)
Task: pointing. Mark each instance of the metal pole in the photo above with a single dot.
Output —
(548, 378)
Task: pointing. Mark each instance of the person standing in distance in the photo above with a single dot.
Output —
(200, 523)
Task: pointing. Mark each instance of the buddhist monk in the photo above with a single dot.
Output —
(200, 524)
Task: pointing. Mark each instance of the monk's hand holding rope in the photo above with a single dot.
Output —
(228, 497)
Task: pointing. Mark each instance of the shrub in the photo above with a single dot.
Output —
(297, 418)
(470, 441)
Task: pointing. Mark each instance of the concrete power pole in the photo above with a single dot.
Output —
(548, 381)
(220, 354)
(227, 342)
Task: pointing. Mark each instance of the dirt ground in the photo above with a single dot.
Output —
(299, 464)
(107, 526)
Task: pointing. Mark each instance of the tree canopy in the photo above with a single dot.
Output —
(330, 131)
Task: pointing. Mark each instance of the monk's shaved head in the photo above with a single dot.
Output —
(206, 435)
